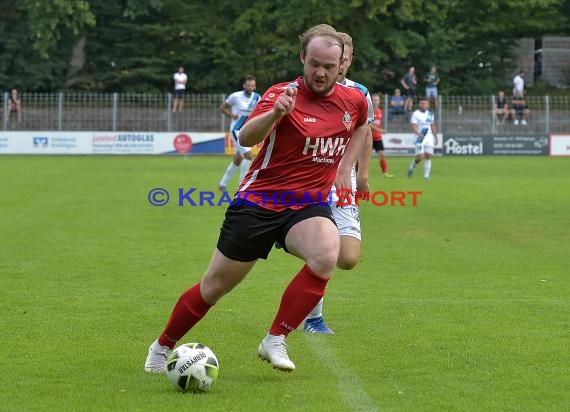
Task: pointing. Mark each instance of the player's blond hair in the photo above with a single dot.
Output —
(347, 41)
(321, 30)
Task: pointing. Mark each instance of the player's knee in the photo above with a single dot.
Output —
(214, 288)
(323, 263)
(346, 264)
(347, 261)
(248, 155)
(212, 293)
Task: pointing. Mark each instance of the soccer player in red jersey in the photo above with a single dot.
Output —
(377, 142)
(312, 131)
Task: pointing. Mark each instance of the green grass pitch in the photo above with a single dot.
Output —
(459, 303)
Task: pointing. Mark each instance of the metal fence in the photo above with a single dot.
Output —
(115, 112)
(152, 112)
(475, 115)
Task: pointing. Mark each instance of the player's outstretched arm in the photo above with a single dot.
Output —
(353, 150)
(364, 158)
(257, 129)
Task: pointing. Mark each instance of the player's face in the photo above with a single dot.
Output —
(249, 86)
(346, 62)
(424, 105)
(376, 101)
(321, 65)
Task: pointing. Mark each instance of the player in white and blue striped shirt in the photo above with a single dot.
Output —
(423, 126)
(238, 106)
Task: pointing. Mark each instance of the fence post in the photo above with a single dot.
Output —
(386, 114)
(59, 111)
(547, 114)
(169, 112)
(440, 115)
(493, 120)
(223, 116)
(5, 112)
(114, 114)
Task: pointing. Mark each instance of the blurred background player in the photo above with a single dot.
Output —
(238, 106)
(347, 217)
(423, 126)
(377, 143)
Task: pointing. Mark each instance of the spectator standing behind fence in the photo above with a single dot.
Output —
(501, 109)
(432, 81)
(519, 110)
(15, 106)
(180, 80)
(409, 82)
(518, 84)
(397, 103)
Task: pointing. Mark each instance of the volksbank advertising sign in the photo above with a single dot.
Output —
(477, 145)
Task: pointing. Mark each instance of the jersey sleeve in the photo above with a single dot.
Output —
(364, 110)
(370, 108)
(231, 100)
(267, 101)
(414, 119)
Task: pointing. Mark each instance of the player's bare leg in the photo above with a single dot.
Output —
(427, 165)
(230, 170)
(316, 241)
(414, 164)
(222, 275)
(247, 159)
(348, 258)
(384, 164)
(349, 252)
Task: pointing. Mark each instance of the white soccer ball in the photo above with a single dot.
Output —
(192, 367)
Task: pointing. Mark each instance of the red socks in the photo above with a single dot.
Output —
(383, 166)
(300, 297)
(188, 311)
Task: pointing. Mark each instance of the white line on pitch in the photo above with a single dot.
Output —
(347, 382)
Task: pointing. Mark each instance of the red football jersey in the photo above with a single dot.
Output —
(299, 159)
(376, 135)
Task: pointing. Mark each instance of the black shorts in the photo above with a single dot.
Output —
(179, 94)
(249, 232)
(377, 145)
(410, 93)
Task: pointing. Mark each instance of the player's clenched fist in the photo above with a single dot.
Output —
(285, 103)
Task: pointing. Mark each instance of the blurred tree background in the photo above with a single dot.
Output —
(136, 45)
